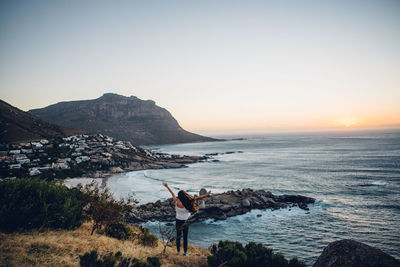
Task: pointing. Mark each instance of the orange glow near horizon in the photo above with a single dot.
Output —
(250, 125)
(347, 122)
(355, 122)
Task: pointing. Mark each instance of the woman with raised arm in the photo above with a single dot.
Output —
(184, 205)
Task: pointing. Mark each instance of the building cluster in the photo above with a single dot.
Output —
(35, 158)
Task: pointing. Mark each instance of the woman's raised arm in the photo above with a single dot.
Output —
(172, 193)
(203, 196)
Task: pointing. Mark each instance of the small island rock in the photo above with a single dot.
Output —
(350, 253)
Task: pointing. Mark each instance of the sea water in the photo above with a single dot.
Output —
(354, 177)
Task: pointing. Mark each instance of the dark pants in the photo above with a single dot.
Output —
(182, 226)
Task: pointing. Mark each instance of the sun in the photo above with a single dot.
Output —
(348, 122)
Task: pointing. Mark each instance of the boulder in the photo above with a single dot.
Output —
(221, 217)
(350, 253)
(303, 206)
(246, 202)
(236, 193)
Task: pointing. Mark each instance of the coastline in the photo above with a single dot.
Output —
(95, 156)
(103, 176)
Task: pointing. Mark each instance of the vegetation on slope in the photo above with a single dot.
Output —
(44, 223)
(63, 248)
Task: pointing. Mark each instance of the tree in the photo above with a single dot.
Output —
(167, 236)
(101, 207)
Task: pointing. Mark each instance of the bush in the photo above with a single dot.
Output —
(154, 261)
(233, 254)
(146, 238)
(294, 262)
(119, 230)
(92, 259)
(102, 208)
(33, 203)
(227, 253)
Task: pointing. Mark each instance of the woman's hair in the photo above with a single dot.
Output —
(189, 202)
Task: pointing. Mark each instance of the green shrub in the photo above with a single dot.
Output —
(102, 208)
(227, 253)
(119, 231)
(294, 262)
(154, 261)
(89, 259)
(146, 238)
(257, 254)
(33, 203)
(233, 254)
(139, 263)
(92, 259)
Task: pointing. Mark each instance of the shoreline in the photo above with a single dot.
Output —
(176, 162)
(105, 175)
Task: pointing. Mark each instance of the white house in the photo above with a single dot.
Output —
(14, 166)
(34, 171)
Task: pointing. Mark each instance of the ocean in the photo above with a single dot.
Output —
(354, 177)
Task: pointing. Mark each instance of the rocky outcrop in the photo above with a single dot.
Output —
(141, 122)
(350, 253)
(220, 206)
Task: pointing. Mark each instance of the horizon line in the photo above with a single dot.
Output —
(296, 130)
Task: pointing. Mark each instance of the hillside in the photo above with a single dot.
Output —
(125, 118)
(19, 126)
(63, 247)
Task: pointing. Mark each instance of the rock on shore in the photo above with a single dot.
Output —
(220, 206)
(350, 253)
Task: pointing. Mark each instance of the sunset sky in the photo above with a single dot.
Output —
(217, 66)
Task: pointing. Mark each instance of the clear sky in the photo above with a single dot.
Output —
(215, 65)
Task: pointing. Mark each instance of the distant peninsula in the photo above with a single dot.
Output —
(140, 122)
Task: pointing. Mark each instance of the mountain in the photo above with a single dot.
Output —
(19, 126)
(141, 122)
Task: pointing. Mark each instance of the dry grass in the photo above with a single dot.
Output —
(62, 248)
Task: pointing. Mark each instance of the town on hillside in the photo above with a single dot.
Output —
(94, 156)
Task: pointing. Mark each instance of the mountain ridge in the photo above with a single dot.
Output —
(19, 126)
(141, 122)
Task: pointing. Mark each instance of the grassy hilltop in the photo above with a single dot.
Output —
(63, 247)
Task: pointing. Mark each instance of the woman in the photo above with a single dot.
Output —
(184, 205)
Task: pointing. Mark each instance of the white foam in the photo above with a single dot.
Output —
(145, 189)
(375, 183)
